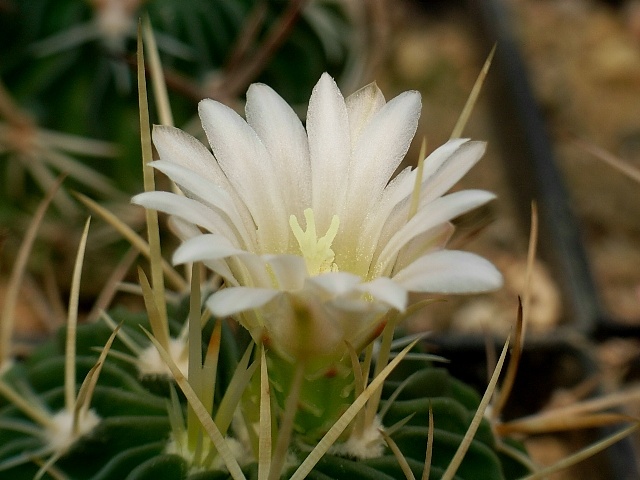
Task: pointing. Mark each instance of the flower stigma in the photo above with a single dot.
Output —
(316, 251)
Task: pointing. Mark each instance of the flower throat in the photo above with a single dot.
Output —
(316, 251)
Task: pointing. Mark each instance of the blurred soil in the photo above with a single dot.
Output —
(583, 60)
(584, 64)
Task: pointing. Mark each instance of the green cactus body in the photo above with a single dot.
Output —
(326, 393)
(130, 441)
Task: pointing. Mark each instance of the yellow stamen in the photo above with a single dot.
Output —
(316, 251)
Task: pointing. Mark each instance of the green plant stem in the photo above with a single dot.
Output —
(72, 322)
(381, 363)
(286, 426)
(195, 354)
(153, 230)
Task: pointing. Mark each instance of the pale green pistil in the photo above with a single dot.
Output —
(316, 251)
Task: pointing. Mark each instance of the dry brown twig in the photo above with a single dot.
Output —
(618, 164)
(377, 33)
(248, 35)
(236, 80)
(241, 69)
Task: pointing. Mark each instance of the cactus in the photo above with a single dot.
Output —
(178, 393)
(132, 436)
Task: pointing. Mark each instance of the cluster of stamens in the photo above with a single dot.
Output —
(316, 251)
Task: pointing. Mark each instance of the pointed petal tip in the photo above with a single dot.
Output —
(139, 199)
(326, 82)
(258, 87)
(208, 246)
(160, 128)
(208, 106)
(233, 300)
(255, 91)
(411, 96)
(450, 272)
(166, 133)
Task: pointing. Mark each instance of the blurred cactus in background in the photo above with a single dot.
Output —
(68, 65)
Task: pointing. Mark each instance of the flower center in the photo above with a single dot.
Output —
(316, 251)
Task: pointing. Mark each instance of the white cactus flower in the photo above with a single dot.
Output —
(313, 240)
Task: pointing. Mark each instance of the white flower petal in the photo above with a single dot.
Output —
(182, 228)
(208, 193)
(303, 327)
(187, 209)
(441, 210)
(382, 146)
(359, 320)
(330, 150)
(186, 230)
(450, 271)
(221, 267)
(380, 149)
(290, 271)
(251, 270)
(442, 169)
(434, 239)
(362, 106)
(335, 283)
(205, 247)
(284, 137)
(441, 155)
(176, 146)
(180, 148)
(243, 268)
(247, 165)
(386, 290)
(230, 301)
(377, 218)
(196, 185)
(400, 189)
